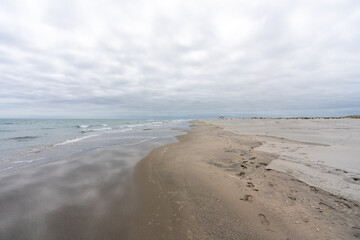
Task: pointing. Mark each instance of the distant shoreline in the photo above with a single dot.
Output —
(351, 116)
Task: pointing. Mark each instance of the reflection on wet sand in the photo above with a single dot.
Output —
(87, 196)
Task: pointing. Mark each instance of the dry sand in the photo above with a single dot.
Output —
(214, 184)
(321, 152)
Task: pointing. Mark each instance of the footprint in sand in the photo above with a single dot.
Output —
(263, 220)
(343, 204)
(291, 197)
(250, 184)
(247, 198)
(314, 189)
(241, 174)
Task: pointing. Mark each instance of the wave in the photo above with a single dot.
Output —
(74, 140)
(25, 161)
(137, 125)
(23, 138)
(125, 129)
(157, 123)
(95, 129)
(101, 129)
(82, 126)
(91, 125)
(4, 169)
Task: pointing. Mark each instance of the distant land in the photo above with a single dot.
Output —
(350, 116)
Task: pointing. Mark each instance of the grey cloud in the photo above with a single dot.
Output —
(134, 58)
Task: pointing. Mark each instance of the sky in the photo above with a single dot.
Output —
(179, 59)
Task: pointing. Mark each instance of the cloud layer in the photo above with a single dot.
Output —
(179, 58)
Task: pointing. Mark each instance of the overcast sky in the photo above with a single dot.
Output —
(134, 58)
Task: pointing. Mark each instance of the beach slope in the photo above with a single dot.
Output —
(215, 184)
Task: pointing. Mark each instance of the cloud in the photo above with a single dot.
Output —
(175, 58)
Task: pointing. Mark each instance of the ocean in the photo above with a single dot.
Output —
(28, 141)
(73, 179)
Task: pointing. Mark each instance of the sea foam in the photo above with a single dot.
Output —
(75, 140)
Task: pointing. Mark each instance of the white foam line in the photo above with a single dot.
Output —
(28, 161)
(4, 169)
(75, 140)
(101, 129)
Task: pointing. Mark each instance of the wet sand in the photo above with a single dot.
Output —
(212, 184)
(215, 184)
(89, 195)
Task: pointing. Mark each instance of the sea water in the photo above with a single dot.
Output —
(27, 141)
(73, 179)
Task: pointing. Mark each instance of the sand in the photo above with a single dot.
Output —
(223, 179)
(321, 152)
(216, 184)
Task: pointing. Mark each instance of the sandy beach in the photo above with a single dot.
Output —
(179, 120)
(222, 181)
(321, 152)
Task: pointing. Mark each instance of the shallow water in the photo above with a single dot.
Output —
(25, 141)
(75, 187)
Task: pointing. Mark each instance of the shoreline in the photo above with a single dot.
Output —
(82, 195)
(214, 184)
